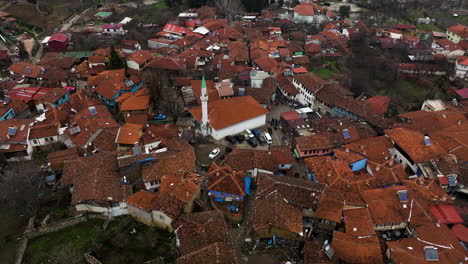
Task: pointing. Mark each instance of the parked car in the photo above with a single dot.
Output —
(249, 133)
(215, 152)
(240, 138)
(159, 116)
(231, 139)
(252, 142)
(256, 133)
(268, 138)
(262, 140)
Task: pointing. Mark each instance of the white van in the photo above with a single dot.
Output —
(268, 138)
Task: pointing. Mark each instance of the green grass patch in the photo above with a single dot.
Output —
(69, 243)
(113, 245)
(324, 73)
(415, 90)
(161, 4)
(430, 27)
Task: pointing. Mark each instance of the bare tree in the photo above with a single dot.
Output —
(173, 108)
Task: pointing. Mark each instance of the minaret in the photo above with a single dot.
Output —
(204, 102)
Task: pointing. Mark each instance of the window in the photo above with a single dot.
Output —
(35, 141)
(46, 139)
(161, 217)
(51, 139)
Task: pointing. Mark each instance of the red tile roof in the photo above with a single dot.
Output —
(273, 211)
(297, 192)
(198, 230)
(213, 254)
(60, 37)
(231, 111)
(140, 57)
(226, 180)
(184, 186)
(307, 9)
(379, 103)
(461, 232)
(446, 213)
(179, 158)
(25, 69)
(129, 134)
(210, 90)
(352, 249)
(459, 29)
(135, 103)
(97, 183)
(412, 142)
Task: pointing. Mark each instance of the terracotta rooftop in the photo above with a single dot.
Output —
(385, 206)
(97, 183)
(272, 211)
(184, 186)
(140, 57)
(179, 158)
(356, 250)
(248, 159)
(198, 230)
(454, 140)
(163, 202)
(448, 248)
(460, 30)
(431, 121)
(412, 142)
(213, 254)
(310, 81)
(135, 103)
(375, 148)
(297, 192)
(231, 111)
(226, 180)
(129, 134)
(25, 69)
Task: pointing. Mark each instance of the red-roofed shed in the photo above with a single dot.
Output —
(58, 42)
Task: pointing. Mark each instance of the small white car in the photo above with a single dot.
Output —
(215, 152)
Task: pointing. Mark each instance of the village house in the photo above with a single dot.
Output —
(135, 107)
(196, 231)
(228, 188)
(178, 157)
(457, 33)
(138, 60)
(461, 67)
(175, 196)
(154, 209)
(114, 29)
(412, 148)
(309, 13)
(276, 160)
(98, 188)
(14, 135)
(109, 85)
(58, 42)
(292, 203)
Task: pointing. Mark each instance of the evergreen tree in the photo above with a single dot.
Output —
(344, 11)
(115, 62)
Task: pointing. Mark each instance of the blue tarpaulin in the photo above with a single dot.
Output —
(248, 181)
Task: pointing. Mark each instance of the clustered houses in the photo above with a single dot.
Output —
(370, 189)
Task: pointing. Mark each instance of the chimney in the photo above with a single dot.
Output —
(391, 162)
